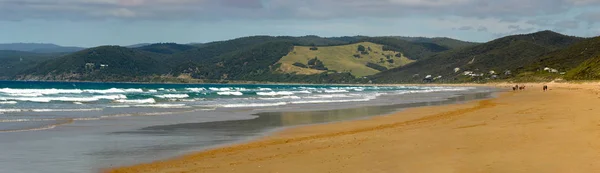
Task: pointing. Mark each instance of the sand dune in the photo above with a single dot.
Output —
(524, 131)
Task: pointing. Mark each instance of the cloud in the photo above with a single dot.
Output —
(482, 29)
(589, 17)
(507, 10)
(515, 29)
(567, 24)
(465, 28)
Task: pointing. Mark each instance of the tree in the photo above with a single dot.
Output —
(361, 48)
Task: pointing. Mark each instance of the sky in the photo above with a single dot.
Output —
(90, 23)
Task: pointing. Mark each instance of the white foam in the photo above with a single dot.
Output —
(274, 93)
(49, 110)
(8, 103)
(40, 91)
(219, 89)
(115, 90)
(153, 91)
(142, 101)
(265, 89)
(195, 89)
(25, 95)
(164, 106)
(336, 91)
(280, 98)
(10, 110)
(176, 96)
(332, 101)
(120, 106)
(65, 110)
(229, 93)
(303, 92)
(253, 105)
(24, 120)
(328, 96)
(111, 97)
(64, 99)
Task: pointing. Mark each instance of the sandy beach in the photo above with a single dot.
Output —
(523, 131)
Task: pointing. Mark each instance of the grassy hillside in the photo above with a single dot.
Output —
(110, 63)
(588, 70)
(509, 53)
(570, 57)
(412, 50)
(346, 58)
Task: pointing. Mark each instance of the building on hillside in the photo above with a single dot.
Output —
(90, 66)
(551, 70)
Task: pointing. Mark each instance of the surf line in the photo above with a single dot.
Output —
(47, 127)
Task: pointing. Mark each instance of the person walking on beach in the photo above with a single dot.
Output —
(545, 88)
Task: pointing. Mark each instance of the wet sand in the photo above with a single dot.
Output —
(524, 131)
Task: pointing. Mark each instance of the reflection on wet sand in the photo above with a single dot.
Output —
(271, 120)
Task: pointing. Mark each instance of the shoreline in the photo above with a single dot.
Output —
(293, 147)
(397, 108)
(488, 84)
(307, 118)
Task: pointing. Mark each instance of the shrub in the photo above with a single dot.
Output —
(297, 64)
(376, 66)
(361, 48)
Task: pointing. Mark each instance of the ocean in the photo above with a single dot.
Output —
(84, 127)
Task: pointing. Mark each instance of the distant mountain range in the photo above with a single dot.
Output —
(544, 56)
(38, 47)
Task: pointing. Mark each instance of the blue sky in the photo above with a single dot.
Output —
(123, 22)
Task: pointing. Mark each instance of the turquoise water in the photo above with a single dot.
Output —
(46, 105)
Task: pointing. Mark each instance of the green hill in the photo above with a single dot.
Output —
(509, 53)
(313, 59)
(39, 47)
(14, 62)
(581, 61)
(412, 50)
(570, 57)
(165, 48)
(588, 70)
(442, 41)
(347, 58)
(105, 63)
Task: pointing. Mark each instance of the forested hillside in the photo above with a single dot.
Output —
(311, 59)
(508, 54)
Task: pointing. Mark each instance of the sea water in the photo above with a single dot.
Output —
(84, 127)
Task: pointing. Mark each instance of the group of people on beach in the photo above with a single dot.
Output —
(522, 87)
(517, 87)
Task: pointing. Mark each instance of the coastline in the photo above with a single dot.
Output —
(340, 145)
(487, 84)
